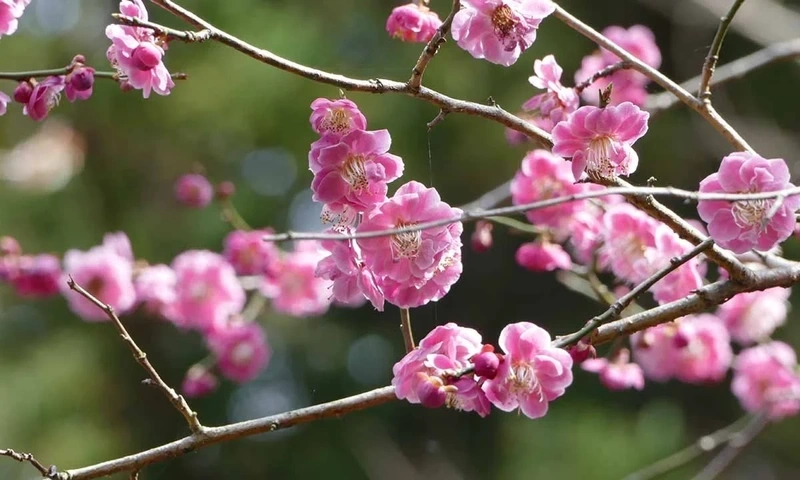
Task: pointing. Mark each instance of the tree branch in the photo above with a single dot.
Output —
(622, 303)
(605, 72)
(730, 71)
(700, 107)
(213, 435)
(177, 400)
(47, 472)
(734, 448)
(378, 86)
(704, 93)
(432, 48)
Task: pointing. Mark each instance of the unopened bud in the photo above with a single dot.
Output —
(582, 351)
(23, 92)
(482, 236)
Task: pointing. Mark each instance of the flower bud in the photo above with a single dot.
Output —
(486, 364)
(199, 381)
(82, 78)
(582, 351)
(23, 92)
(431, 391)
(482, 236)
(194, 190)
(9, 246)
(225, 190)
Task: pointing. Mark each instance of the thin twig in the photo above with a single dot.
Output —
(177, 400)
(432, 48)
(54, 72)
(405, 327)
(704, 444)
(377, 86)
(704, 92)
(617, 307)
(605, 72)
(700, 107)
(735, 447)
(182, 13)
(48, 472)
(730, 71)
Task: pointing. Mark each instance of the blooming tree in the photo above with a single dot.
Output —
(686, 300)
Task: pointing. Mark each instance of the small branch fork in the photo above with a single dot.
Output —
(177, 400)
(432, 48)
(605, 72)
(47, 472)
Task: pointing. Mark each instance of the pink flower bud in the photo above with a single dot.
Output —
(225, 190)
(486, 363)
(199, 382)
(23, 92)
(582, 351)
(9, 246)
(431, 391)
(194, 190)
(80, 83)
(78, 59)
(146, 56)
(482, 236)
(413, 23)
(37, 276)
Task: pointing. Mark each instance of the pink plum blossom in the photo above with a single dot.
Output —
(499, 30)
(207, 291)
(194, 190)
(241, 350)
(199, 381)
(693, 349)
(765, 380)
(533, 372)
(10, 12)
(356, 170)
(742, 225)
(336, 117)
(293, 286)
(106, 275)
(753, 316)
(419, 266)
(685, 279)
(137, 53)
(248, 253)
(543, 256)
(629, 85)
(79, 83)
(413, 22)
(44, 97)
(542, 176)
(34, 276)
(4, 101)
(599, 140)
(629, 247)
(156, 288)
(120, 244)
(618, 373)
(420, 376)
(558, 101)
(352, 280)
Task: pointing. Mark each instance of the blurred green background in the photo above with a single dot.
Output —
(70, 391)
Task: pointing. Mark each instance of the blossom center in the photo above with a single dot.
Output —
(198, 291)
(751, 213)
(354, 173)
(598, 157)
(95, 286)
(406, 244)
(336, 121)
(503, 20)
(522, 379)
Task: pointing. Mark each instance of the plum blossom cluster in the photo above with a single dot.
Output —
(200, 291)
(352, 168)
(138, 54)
(453, 368)
(39, 97)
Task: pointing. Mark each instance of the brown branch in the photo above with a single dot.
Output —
(731, 71)
(703, 108)
(405, 327)
(432, 48)
(704, 444)
(708, 296)
(214, 435)
(605, 72)
(616, 308)
(704, 93)
(177, 400)
(377, 86)
(47, 472)
(735, 447)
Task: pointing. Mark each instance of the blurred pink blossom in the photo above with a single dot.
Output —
(753, 316)
(618, 373)
(413, 22)
(765, 380)
(241, 350)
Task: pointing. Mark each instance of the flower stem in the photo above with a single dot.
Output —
(405, 327)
